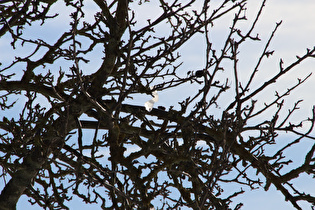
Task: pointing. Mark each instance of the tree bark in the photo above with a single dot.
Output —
(22, 178)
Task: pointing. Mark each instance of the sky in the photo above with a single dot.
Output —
(296, 33)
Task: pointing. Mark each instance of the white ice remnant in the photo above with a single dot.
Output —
(149, 104)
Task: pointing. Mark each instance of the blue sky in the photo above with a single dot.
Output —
(296, 33)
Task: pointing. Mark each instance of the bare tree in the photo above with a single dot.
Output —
(183, 156)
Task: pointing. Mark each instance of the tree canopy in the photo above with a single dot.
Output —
(70, 126)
